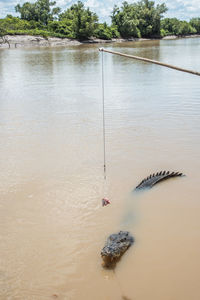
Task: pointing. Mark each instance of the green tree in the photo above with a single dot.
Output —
(173, 26)
(40, 11)
(149, 17)
(61, 28)
(138, 19)
(27, 11)
(12, 23)
(195, 23)
(125, 20)
(83, 21)
(106, 32)
(186, 28)
(15, 25)
(170, 26)
(3, 33)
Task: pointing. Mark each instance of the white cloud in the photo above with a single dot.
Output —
(182, 9)
(92, 4)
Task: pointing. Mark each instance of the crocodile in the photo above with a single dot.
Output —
(155, 178)
(115, 246)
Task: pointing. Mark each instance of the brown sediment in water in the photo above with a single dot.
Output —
(52, 222)
(125, 298)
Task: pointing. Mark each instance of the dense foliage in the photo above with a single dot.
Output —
(106, 32)
(82, 22)
(141, 19)
(138, 19)
(40, 11)
(13, 25)
(173, 26)
(195, 23)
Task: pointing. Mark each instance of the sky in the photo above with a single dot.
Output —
(181, 9)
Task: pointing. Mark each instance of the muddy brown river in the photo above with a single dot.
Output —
(52, 224)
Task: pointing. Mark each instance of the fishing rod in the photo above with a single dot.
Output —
(105, 201)
(151, 61)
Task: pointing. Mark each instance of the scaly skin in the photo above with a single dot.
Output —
(151, 180)
(115, 247)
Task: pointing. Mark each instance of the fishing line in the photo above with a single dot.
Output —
(103, 121)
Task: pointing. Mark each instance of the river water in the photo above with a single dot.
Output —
(51, 172)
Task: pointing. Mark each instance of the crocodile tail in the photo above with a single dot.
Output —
(155, 178)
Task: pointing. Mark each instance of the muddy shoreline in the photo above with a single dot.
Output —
(21, 41)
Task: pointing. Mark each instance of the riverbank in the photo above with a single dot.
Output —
(19, 41)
